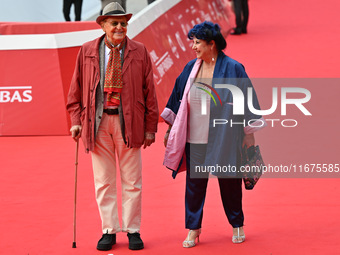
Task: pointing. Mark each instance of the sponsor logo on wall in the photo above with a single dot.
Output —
(17, 94)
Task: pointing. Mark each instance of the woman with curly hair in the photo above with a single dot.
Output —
(198, 140)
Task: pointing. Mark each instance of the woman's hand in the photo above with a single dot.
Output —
(166, 136)
(248, 140)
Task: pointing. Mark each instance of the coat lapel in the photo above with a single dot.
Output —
(102, 64)
(178, 135)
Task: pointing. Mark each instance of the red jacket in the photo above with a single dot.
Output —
(138, 96)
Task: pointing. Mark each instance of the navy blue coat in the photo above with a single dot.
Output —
(224, 140)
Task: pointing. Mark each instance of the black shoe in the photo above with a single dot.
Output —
(105, 243)
(135, 242)
(237, 31)
(244, 31)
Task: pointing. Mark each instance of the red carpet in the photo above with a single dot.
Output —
(282, 216)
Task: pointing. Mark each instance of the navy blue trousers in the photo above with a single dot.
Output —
(195, 191)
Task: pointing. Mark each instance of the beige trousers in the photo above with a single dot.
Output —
(109, 144)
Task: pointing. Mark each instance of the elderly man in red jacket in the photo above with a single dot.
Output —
(113, 107)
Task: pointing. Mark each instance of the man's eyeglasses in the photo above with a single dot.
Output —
(115, 23)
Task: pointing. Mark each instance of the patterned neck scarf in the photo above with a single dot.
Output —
(113, 76)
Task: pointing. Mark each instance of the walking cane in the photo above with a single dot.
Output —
(75, 197)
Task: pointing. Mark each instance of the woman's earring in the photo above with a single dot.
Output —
(213, 59)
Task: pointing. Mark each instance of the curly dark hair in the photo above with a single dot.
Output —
(208, 31)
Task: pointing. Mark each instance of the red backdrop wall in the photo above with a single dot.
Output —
(34, 82)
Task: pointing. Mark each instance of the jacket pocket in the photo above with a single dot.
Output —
(140, 106)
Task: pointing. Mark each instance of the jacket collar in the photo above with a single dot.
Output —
(219, 71)
(130, 46)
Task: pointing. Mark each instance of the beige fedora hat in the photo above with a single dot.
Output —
(113, 9)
